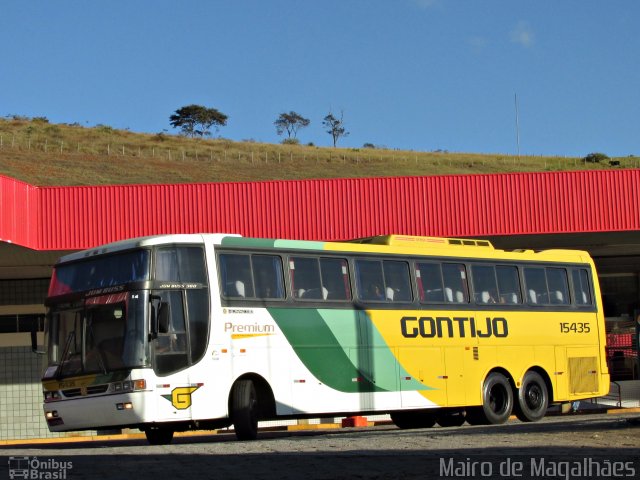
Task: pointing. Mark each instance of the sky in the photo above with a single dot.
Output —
(419, 75)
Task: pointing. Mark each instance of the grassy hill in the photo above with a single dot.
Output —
(45, 154)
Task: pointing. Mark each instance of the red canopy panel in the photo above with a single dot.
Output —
(67, 218)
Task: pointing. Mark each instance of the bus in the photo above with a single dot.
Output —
(204, 331)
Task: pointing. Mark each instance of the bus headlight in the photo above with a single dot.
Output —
(51, 396)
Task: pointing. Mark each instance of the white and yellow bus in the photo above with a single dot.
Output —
(180, 332)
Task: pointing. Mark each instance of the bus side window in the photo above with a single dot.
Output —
(429, 281)
(235, 275)
(536, 285)
(581, 289)
(455, 283)
(558, 286)
(485, 289)
(267, 274)
(335, 279)
(370, 280)
(305, 278)
(397, 283)
(508, 285)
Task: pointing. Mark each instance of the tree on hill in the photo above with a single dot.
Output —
(196, 120)
(335, 127)
(290, 122)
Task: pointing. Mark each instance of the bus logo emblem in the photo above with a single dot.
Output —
(180, 397)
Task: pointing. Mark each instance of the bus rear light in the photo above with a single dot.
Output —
(124, 406)
(51, 415)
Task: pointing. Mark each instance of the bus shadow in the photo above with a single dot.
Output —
(482, 462)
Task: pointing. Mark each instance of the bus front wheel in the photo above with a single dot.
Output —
(497, 402)
(244, 410)
(159, 436)
(533, 398)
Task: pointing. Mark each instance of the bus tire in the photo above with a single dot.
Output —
(244, 410)
(413, 419)
(533, 398)
(450, 419)
(159, 436)
(497, 402)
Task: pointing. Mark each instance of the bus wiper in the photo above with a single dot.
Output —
(97, 350)
(65, 353)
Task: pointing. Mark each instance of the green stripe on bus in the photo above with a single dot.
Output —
(271, 243)
(299, 244)
(248, 242)
(320, 351)
(368, 351)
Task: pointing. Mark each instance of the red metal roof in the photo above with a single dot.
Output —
(61, 218)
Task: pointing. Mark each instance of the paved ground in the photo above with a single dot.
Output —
(558, 447)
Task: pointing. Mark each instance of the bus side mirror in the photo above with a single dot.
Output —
(34, 343)
(164, 314)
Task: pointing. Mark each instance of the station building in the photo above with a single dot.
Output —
(597, 211)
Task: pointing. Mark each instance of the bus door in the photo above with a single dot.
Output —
(170, 353)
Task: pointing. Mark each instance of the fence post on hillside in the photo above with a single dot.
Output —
(0, 141)
(108, 149)
(13, 140)
(61, 146)
(45, 146)
(251, 157)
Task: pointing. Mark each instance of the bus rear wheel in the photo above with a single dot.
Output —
(497, 402)
(244, 410)
(533, 398)
(413, 419)
(159, 436)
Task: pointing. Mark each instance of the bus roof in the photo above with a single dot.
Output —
(392, 244)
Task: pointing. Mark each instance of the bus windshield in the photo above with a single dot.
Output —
(100, 272)
(100, 335)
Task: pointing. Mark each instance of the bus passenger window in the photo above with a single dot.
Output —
(267, 274)
(370, 280)
(235, 276)
(335, 279)
(455, 283)
(429, 281)
(305, 278)
(536, 285)
(581, 289)
(508, 285)
(558, 286)
(397, 284)
(484, 284)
